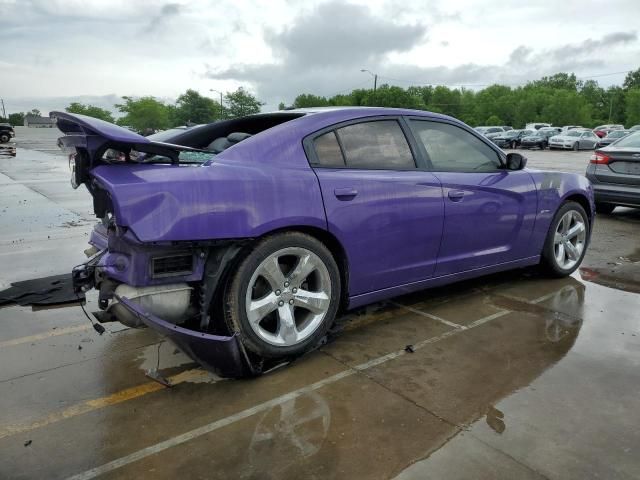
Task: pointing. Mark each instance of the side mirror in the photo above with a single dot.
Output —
(515, 161)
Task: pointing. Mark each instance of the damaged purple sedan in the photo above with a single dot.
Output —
(242, 239)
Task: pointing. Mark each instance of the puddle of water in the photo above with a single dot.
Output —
(604, 277)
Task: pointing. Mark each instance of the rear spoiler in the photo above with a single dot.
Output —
(91, 134)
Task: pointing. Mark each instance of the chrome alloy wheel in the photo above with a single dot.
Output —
(569, 239)
(288, 296)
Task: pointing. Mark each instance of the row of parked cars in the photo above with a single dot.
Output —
(543, 135)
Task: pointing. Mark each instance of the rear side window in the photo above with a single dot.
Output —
(328, 150)
(452, 149)
(376, 145)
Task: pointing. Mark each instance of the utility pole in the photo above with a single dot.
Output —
(610, 108)
(375, 79)
(4, 112)
(221, 107)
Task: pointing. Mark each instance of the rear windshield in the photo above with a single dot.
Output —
(630, 141)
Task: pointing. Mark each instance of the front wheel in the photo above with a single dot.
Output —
(4, 138)
(566, 241)
(284, 295)
(576, 147)
(513, 145)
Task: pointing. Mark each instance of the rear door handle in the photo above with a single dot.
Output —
(455, 195)
(345, 192)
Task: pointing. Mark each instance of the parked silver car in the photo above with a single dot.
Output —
(611, 137)
(490, 132)
(574, 140)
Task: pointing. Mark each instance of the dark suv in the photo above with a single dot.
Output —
(6, 132)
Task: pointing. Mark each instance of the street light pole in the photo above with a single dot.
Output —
(375, 79)
(221, 107)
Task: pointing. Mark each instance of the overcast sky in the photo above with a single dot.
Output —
(53, 52)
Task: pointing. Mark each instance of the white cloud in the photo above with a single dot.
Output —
(57, 50)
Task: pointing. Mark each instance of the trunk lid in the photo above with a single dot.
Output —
(91, 142)
(623, 167)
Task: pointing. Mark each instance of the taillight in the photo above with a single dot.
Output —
(600, 158)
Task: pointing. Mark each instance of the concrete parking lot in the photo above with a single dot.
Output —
(509, 376)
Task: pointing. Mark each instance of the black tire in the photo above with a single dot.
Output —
(4, 138)
(548, 260)
(605, 208)
(576, 147)
(513, 145)
(236, 295)
(542, 146)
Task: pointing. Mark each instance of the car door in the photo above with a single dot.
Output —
(384, 209)
(489, 211)
(588, 140)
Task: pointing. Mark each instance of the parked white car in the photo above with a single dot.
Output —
(574, 140)
(536, 126)
(566, 128)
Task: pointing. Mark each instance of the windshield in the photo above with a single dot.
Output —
(166, 134)
(630, 141)
(617, 134)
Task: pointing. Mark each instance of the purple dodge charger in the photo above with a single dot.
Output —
(240, 240)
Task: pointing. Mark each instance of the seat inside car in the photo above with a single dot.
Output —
(222, 143)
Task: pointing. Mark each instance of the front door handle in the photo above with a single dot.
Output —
(346, 193)
(455, 195)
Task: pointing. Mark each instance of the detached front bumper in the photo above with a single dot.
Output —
(220, 354)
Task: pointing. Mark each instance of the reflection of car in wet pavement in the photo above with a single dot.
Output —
(204, 239)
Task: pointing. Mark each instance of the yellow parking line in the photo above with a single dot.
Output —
(98, 403)
(44, 335)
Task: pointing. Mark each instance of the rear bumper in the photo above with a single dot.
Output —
(614, 193)
(222, 355)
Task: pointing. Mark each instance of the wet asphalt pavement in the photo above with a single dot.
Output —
(509, 376)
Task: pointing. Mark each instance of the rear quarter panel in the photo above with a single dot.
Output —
(230, 198)
(554, 188)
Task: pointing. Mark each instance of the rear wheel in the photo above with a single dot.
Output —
(605, 208)
(566, 241)
(513, 144)
(284, 295)
(4, 138)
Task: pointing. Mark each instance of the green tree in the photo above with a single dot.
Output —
(16, 119)
(392, 97)
(240, 103)
(306, 100)
(563, 81)
(144, 113)
(632, 101)
(632, 80)
(90, 111)
(34, 113)
(494, 120)
(191, 107)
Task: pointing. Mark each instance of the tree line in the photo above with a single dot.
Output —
(560, 99)
(148, 113)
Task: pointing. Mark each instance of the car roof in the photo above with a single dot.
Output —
(358, 111)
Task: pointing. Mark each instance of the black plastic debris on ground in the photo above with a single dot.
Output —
(42, 292)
